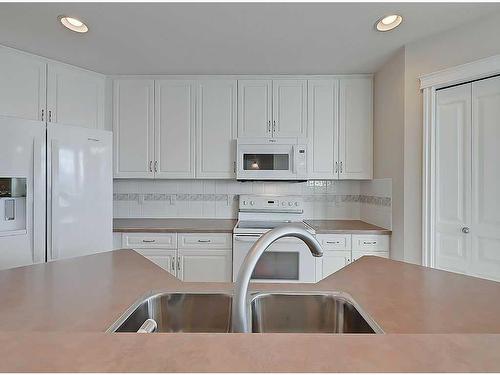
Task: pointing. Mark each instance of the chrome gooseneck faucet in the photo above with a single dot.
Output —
(240, 319)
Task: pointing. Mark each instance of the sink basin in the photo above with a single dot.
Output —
(179, 312)
(309, 313)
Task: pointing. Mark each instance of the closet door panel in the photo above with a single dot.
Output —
(485, 224)
(453, 169)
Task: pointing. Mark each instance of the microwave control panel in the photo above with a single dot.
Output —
(301, 160)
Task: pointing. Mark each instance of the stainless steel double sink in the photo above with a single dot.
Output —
(281, 312)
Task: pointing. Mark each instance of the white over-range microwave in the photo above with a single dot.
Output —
(271, 159)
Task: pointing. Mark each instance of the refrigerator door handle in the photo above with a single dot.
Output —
(54, 172)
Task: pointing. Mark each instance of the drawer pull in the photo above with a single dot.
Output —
(333, 242)
(369, 242)
(203, 241)
(148, 241)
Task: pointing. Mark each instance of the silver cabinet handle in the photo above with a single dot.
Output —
(43, 113)
(178, 263)
(336, 167)
(172, 264)
(269, 126)
(333, 242)
(234, 167)
(203, 241)
(341, 168)
(274, 126)
(369, 242)
(156, 165)
(50, 116)
(148, 241)
(465, 230)
(151, 166)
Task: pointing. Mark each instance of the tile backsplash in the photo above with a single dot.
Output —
(367, 200)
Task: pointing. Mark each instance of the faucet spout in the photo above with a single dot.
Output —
(240, 308)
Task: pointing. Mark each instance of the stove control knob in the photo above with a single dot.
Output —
(283, 203)
(290, 203)
(296, 204)
(252, 203)
(244, 203)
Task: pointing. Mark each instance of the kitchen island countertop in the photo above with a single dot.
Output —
(53, 317)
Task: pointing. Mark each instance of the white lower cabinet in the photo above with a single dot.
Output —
(341, 249)
(166, 259)
(192, 257)
(205, 265)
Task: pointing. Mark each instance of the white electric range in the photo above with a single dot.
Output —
(288, 259)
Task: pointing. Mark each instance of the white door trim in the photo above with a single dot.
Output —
(429, 83)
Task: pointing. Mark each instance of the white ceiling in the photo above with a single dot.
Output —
(226, 38)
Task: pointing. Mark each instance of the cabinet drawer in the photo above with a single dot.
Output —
(335, 241)
(370, 243)
(149, 240)
(205, 241)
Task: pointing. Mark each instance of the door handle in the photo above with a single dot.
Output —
(178, 263)
(465, 230)
(50, 116)
(269, 126)
(336, 167)
(203, 241)
(156, 165)
(148, 241)
(341, 167)
(151, 166)
(274, 126)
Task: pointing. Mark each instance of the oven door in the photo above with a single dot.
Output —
(286, 260)
(265, 162)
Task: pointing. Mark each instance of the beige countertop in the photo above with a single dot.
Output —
(345, 226)
(174, 225)
(70, 303)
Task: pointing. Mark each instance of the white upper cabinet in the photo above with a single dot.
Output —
(22, 85)
(289, 108)
(272, 108)
(133, 128)
(356, 128)
(255, 108)
(75, 96)
(174, 129)
(216, 128)
(323, 128)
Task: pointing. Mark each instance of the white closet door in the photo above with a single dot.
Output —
(174, 128)
(453, 170)
(485, 223)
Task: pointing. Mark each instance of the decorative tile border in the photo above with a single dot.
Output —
(172, 198)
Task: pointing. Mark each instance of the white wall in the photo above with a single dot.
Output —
(399, 140)
(388, 134)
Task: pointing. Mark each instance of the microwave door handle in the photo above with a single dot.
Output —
(294, 159)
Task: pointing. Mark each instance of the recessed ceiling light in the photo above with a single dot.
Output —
(389, 22)
(74, 24)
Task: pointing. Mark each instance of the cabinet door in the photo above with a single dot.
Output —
(174, 129)
(356, 128)
(133, 128)
(332, 261)
(205, 265)
(22, 85)
(289, 108)
(323, 128)
(166, 259)
(485, 219)
(254, 108)
(75, 97)
(216, 128)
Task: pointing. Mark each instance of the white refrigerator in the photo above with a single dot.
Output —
(56, 192)
(79, 191)
(22, 213)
